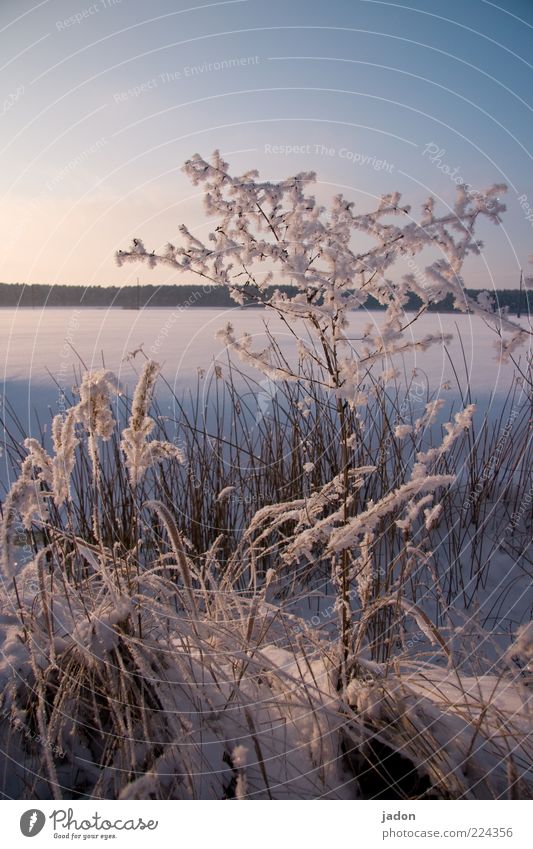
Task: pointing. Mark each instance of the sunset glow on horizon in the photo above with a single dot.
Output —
(103, 102)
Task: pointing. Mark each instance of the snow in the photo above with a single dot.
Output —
(164, 671)
(33, 351)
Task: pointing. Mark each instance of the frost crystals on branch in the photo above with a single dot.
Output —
(275, 232)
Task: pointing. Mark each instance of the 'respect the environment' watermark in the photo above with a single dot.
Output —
(75, 162)
(186, 72)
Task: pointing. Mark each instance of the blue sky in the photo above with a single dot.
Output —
(101, 103)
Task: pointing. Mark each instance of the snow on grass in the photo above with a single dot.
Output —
(149, 672)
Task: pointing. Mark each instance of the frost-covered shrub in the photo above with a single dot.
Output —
(137, 664)
(268, 233)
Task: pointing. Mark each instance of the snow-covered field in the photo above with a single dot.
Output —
(173, 627)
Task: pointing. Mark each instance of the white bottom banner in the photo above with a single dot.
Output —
(257, 824)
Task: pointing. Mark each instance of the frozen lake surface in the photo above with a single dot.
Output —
(36, 342)
(38, 346)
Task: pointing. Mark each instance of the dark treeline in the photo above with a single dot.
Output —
(141, 297)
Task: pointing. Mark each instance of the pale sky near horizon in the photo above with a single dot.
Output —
(101, 103)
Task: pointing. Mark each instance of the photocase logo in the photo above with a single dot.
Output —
(32, 822)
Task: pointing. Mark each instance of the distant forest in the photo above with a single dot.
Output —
(142, 297)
